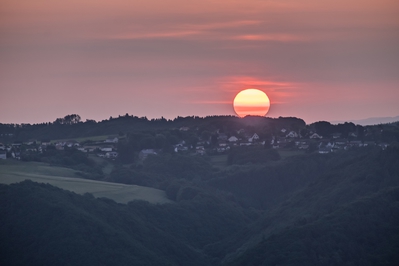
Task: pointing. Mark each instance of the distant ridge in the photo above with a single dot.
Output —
(371, 121)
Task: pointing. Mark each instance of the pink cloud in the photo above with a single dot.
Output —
(269, 37)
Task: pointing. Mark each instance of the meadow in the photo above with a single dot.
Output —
(65, 178)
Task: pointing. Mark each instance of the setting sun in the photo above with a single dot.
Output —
(251, 102)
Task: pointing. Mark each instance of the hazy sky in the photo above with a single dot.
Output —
(317, 60)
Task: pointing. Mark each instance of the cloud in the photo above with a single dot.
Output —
(279, 92)
(270, 37)
(226, 30)
(250, 81)
(211, 102)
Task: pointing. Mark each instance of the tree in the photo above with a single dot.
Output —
(68, 120)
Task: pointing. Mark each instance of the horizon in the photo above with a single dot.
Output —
(324, 61)
(363, 122)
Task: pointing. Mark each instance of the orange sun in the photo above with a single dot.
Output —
(251, 102)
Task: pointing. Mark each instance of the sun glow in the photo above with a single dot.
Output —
(251, 102)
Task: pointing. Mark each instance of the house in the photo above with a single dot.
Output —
(31, 142)
(353, 134)
(315, 136)
(241, 131)
(221, 149)
(181, 146)
(111, 140)
(59, 147)
(281, 141)
(254, 137)
(303, 146)
(330, 145)
(368, 143)
(324, 150)
(341, 141)
(222, 143)
(91, 148)
(82, 149)
(222, 136)
(72, 143)
(200, 150)
(292, 134)
(245, 144)
(106, 149)
(336, 135)
(143, 154)
(112, 154)
(355, 143)
(16, 155)
(383, 145)
(233, 139)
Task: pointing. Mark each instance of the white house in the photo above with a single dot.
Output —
(292, 134)
(233, 139)
(315, 136)
(112, 154)
(111, 140)
(253, 138)
(144, 153)
(324, 150)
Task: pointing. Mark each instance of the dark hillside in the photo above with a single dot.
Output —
(44, 225)
(314, 209)
(363, 232)
(356, 190)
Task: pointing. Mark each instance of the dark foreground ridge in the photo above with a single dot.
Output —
(315, 209)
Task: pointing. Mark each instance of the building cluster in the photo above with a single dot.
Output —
(105, 149)
(218, 143)
(285, 139)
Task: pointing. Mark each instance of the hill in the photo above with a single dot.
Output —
(311, 209)
(14, 171)
(338, 211)
(372, 121)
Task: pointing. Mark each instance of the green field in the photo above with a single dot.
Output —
(15, 171)
(92, 138)
(219, 161)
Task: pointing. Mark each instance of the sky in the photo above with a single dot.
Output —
(317, 60)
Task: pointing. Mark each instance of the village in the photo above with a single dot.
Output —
(217, 143)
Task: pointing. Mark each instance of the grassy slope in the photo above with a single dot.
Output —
(14, 171)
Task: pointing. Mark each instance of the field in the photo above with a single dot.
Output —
(15, 171)
(91, 138)
(288, 153)
(219, 161)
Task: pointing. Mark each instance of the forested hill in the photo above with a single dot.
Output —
(71, 126)
(317, 209)
(344, 212)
